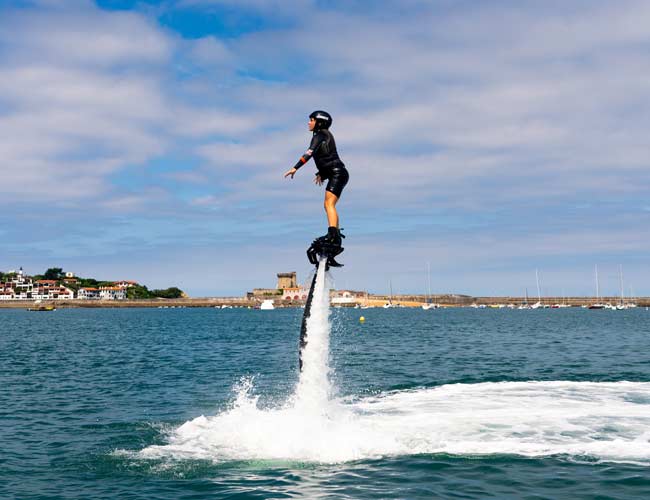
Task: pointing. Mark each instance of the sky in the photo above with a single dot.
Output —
(148, 140)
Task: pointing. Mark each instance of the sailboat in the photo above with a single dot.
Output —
(622, 304)
(561, 305)
(525, 305)
(597, 305)
(631, 304)
(538, 304)
(428, 304)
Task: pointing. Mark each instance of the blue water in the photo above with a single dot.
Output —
(85, 391)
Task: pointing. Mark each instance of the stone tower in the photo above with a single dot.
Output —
(286, 280)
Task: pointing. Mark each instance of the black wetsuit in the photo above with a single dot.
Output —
(329, 165)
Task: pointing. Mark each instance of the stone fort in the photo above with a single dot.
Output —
(286, 280)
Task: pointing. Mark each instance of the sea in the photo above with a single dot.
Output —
(409, 404)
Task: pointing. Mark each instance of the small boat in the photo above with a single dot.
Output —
(267, 305)
(40, 307)
(389, 304)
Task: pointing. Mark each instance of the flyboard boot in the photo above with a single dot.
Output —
(328, 246)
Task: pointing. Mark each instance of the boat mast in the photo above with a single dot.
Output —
(620, 276)
(539, 294)
(428, 283)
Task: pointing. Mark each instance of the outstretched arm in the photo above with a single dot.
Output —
(313, 146)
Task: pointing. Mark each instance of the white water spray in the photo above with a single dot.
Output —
(313, 391)
(603, 421)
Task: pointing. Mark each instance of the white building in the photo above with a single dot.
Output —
(125, 284)
(343, 298)
(50, 290)
(63, 293)
(294, 293)
(346, 297)
(43, 289)
(112, 293)
(88, 293)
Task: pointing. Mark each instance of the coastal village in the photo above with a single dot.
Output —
(17, 289)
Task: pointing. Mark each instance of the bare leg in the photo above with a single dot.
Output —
(330, 208)
(333, 236)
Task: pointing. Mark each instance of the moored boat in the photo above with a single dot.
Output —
(42, 307)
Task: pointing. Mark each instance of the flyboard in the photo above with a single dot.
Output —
(319, 249)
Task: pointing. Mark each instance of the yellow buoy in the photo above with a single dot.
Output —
(362, 319)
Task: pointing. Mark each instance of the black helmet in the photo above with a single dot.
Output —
(323, 119)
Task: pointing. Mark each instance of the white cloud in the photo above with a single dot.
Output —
(193, 121)
(81, 106)
(83, 35)
(210, 51)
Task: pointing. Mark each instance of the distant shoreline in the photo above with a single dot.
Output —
(369, 300)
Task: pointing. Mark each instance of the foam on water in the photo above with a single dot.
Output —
(603, 421)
